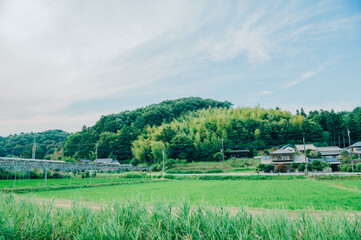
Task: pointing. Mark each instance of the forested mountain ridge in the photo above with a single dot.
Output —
(115, 133)
(187, 128)
(20, 145)
(196, 136)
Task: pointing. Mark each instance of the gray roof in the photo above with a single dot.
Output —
(239, 151)
(329, 160)
(85, 160)
(287, 146)
(106, 160)
(358, 144)
(300, 147)
(282, 151)
(329, 150)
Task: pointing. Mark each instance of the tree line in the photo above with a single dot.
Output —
(190, 129)
(48, 143)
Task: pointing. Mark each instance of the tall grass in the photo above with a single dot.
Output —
(134, 219)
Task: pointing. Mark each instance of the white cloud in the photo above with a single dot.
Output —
(266, 92)
(55, 54)
(304, 77)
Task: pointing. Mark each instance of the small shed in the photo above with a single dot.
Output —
(238, 154)
(106, 161)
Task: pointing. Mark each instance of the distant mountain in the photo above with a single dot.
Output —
(20, 145)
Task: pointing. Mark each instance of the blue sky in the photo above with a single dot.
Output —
(63, 64)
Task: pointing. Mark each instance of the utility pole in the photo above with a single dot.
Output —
(222, 150)
(349, 143)
(306, 163)
(163, 163)
(34, 149)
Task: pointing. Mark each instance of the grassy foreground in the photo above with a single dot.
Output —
(288, 194)
(24, 219)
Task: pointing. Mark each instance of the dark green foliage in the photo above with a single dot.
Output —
(317, 165)
(294, 166)
(20, 145)
(260, 167)
(195, 171)
(218, 156)
(269, 168)
(197, 135)
(181, 146)
(116, 132)
(169, 176)
(335, 125)
(302, 167)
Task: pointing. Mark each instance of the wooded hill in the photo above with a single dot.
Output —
(188, 128)
(196, 136)
(20, 145)
(115, 133)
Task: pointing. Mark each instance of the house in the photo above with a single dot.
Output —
(301, 148)
(106, 161)
(285, 155)
(281, 156)
(288, 147)
(238, 154)
(356, 148)
(329, 152)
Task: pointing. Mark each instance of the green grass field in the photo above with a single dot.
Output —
(288, 194)
(28, 183)
(350, 184)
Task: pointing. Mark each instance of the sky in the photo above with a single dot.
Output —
(63, 64)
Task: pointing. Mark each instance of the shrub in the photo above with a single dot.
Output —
(294, 166)
(315, 166)
(301, 167)
(358, 167)
(134, 162)
(157, 167)
(134, 175)
(269, 168)
(169, 176)
(260, 167)
(218, 156)
(281, 168)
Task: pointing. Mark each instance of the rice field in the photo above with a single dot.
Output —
(284, 194)
(32, 183)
